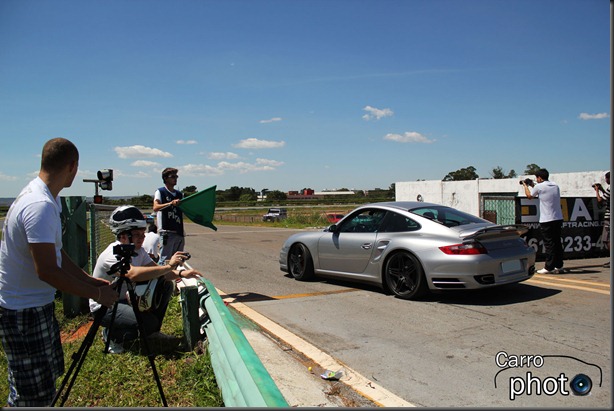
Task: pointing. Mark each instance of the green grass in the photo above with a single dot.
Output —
(297, 218)
(127, 380)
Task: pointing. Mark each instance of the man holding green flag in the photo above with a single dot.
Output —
(169, 215)
(170, 206)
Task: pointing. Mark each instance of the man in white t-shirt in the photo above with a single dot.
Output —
(128, 224)
(32, 267)
(152, 242)
(550, 219)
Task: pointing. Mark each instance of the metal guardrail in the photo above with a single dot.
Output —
(240, 375)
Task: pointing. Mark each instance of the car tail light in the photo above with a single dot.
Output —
(472, 248)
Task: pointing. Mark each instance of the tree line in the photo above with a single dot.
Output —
(248, 196)
(468, 173)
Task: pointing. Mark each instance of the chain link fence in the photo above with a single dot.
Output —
(100, 235)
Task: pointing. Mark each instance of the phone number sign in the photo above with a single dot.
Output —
(582, 227)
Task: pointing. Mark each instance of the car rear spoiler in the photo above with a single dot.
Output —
(496, 231)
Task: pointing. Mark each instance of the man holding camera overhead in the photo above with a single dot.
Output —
(128, 224)
(550, 219)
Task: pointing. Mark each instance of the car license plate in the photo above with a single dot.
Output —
(513, 266)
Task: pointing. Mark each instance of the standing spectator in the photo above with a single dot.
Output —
(32, 267)
(605, 200)
(169, 217)
(152, 242)
(550, 219)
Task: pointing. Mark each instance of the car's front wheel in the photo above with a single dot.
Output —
(404, 276)
(300, 262)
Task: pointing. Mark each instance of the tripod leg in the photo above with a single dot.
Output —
(79, 357)
(148, 352)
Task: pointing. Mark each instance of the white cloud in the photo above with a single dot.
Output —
(243, 167)
(222, 167)
(408, 137)
(222, 156)
(376, 113)
(4, 177)
(270, 163)
(257, 144)
(271, 120)
(200, 170)
(187, 142)
(145, 163)
(598, 116)
(139, 151)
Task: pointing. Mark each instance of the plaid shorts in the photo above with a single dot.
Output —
(31, 342)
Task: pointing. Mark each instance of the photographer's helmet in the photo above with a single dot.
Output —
(126, 218)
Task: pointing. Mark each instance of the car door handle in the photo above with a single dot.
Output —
(366, 246)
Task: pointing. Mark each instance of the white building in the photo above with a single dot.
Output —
(469, 195)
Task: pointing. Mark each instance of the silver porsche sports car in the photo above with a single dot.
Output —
(409, 248)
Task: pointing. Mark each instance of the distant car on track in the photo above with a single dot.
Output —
(275, 214)
(333, 217)
(409, 248)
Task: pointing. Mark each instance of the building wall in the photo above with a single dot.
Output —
(465, 195)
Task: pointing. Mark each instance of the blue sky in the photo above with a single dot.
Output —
(288, 94)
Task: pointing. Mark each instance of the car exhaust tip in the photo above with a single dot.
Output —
(485, 279)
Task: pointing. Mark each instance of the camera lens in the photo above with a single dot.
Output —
(581, 384)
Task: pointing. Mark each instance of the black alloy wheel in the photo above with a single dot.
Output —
(404, 276)
(300, 262)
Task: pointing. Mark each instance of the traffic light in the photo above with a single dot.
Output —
(105, 179)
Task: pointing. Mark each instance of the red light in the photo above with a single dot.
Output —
(464, 249)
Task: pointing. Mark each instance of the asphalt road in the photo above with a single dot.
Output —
(517, 346)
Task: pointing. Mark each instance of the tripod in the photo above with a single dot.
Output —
(122, 266)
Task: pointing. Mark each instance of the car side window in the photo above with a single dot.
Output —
(367, 221)
(397, 223)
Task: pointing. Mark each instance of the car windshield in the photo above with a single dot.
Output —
(447, 216)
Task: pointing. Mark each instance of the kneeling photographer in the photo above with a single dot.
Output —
(128, 225)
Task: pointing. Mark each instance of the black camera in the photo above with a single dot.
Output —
(528, 182)
(597, 185)
(187, 256)
(124, 251)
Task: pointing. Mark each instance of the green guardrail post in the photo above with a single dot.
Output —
(189, 314)
(74, 243)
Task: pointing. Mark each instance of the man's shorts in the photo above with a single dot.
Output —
(31, 342)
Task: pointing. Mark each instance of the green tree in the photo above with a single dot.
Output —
(498, 173)
(189, 190)
(467, 173)
(531, 169)
(248, 197)
(276, 195)
(234, 193)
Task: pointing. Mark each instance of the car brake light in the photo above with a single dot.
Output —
(473, 248)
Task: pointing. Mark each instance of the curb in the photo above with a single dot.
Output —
(363, 386)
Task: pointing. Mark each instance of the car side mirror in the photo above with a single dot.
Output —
(332, 228)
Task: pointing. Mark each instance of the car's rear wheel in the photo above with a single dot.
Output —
(300, 262)
(404, 276)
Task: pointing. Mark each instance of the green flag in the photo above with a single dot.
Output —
(200, 207)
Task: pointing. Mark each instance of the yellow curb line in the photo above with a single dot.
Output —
(574, 287)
